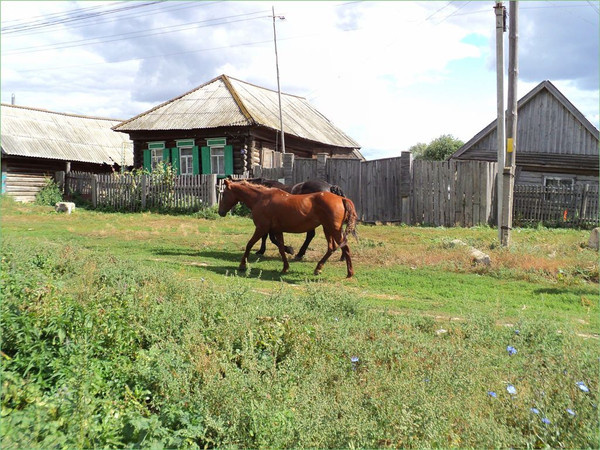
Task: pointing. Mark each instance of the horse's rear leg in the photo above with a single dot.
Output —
(348, 258)
(309, 237)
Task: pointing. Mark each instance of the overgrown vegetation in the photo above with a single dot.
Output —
(438, 149)
(50, 194)
(123, 330)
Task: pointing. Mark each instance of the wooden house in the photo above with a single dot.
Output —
(227, 126)
(37, 143)
(556, 144)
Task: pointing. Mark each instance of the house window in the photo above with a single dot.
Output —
(157, 157)
(217, 160)
(558, 182)
(558, 189)
(186, 159)
(186, 156)
(154, 156)
(217, 157)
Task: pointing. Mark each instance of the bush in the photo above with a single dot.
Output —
(49, 195)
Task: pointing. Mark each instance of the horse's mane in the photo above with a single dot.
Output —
(256, 187)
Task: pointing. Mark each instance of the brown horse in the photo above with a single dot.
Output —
(305, 187)
(276, 211)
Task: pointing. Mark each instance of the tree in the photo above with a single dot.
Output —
(438, 149)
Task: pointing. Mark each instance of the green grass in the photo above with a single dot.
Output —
(135, 330)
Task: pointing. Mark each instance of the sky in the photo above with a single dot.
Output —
(389, 74)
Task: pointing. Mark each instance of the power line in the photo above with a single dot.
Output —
(70, 18)
(136, 14)
(135, 34)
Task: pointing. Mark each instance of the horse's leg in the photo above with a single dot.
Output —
(348, 258)
(309, 237)
(263, 246)
(275, 241)
(255, 237)
(330, 249)
(282, 250)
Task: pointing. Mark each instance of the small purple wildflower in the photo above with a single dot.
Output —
(571, 412)
(546, 421)
(511, 350)
(517, 332)
(354, 359)
(535, 410)
(511, 389)
(582, 386)
(492, 394)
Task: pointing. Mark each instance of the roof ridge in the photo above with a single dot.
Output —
(264, 88)
(30, 108)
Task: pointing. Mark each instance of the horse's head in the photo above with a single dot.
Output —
(228, 198)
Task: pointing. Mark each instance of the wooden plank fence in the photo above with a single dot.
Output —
(556, 206)
(127, 192)
(453, 193)
(436, 193)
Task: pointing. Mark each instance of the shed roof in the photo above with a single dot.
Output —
(546, 86)
(38, 133)
(228, 102)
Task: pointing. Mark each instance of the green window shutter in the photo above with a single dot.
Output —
(175, 160)
(196, 160)
(206, 160)
(148, 160)
(228, 160)
(166, 155)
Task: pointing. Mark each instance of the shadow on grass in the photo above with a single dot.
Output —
(255, 270)
(227, 263)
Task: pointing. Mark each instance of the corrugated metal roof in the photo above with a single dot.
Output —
(225, 101)
(45, 134)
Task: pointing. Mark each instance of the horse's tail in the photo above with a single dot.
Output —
(335, 189)
(350, 218)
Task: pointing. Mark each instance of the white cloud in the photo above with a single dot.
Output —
(390, 74)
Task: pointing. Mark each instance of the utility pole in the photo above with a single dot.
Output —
(278, 86)
(511, 126)
(500, 29)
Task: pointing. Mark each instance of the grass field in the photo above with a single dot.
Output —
(136, 329)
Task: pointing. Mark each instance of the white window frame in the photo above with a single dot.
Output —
(560, 179)
(156, 153)
(186, 162)
(217, 161)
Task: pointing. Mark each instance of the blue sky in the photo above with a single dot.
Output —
(390, 74)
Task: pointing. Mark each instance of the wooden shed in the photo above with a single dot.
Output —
(37, 143)
(227, 126)
(556, 144)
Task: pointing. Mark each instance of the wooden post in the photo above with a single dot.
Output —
(143, 188)
(94, 190)
(405, 185)
(508, 174)
(59, 177)
(322, 166)
(212, 181)
(288, 168)
(500, 24)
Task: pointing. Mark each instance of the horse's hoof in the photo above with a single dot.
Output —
(242, 268)
(260, 253)
(298, 257)
(317, 272)
(289, 250)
